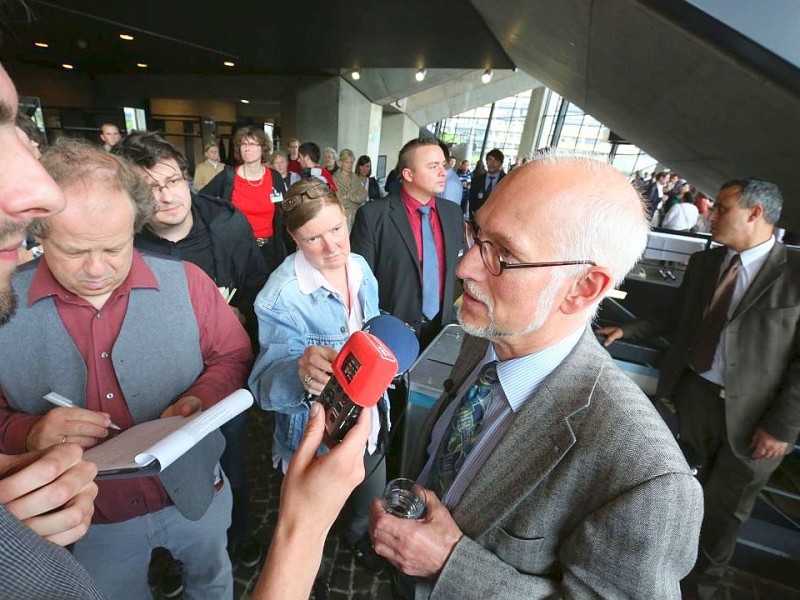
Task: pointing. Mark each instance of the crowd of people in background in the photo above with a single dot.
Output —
(304, 247)
(674, 203)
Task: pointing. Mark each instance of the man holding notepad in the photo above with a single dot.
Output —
(129, 338)
(216, 236)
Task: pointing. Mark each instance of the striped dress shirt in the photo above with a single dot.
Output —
(519, 378)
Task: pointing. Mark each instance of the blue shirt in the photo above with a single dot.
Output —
(452, 187)
(519, 379)
(289, 320)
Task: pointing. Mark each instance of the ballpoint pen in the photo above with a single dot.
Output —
(60, 400)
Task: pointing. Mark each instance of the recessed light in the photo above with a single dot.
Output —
(125, 36)
(41, 44)
(487, 76)
(229, 63)
(420, 76)
(356, 74)
(243, 101)
(141, 65)
(67, 66)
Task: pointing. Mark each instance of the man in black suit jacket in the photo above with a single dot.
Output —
(483, 185)
(387, 233)
(739, 407)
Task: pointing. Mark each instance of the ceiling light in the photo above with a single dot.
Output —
(243, 101)
(141, 65)
(229, 63)
(126, 36)
(67, 66)
(41, 44)
(356, 74)
(420, 76)
(487, 76)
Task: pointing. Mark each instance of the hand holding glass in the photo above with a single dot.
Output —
(404, 498)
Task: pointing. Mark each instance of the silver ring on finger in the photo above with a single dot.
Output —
(63, 439)
(308, 379)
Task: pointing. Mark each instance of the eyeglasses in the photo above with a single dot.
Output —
(249, 144)
(317, 190)
(496, 265)
(169, 184)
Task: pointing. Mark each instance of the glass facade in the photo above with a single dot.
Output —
(563, 125)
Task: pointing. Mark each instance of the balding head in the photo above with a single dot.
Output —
(552, 210)
(586, 208)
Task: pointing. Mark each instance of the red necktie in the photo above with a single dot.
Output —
(715, 318)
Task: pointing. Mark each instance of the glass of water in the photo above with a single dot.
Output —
(404, 498)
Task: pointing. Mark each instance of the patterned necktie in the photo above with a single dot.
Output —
(430, 266)
(460, 435)
(715, 318)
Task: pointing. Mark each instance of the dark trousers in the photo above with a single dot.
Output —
(731, 482)
(353, 521)
(233, 463)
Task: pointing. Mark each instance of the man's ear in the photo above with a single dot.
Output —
(587, 291)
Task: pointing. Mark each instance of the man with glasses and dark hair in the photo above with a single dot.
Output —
(549, 473)
(215, 236)
(206, 231)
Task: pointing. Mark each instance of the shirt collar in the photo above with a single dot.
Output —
(752, 255)
(520, 377)
(412, 204)
(44, 284)
(310, 279)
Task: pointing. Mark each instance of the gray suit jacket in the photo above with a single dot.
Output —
(762, 374)
(587, 495)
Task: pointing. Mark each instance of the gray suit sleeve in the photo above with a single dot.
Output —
(639, 545)
(31, 567)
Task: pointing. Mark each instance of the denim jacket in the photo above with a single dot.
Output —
(288, 322)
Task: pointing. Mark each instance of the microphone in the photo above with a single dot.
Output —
(363, 370)
(399, 337)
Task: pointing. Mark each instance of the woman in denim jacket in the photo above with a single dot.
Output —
(306, 311)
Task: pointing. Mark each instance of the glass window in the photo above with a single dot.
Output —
(578, 132)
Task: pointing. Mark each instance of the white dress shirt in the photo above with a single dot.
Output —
(752, 261)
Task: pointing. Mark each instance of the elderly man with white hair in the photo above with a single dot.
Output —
(549, 473)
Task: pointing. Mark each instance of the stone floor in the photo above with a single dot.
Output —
(348, 580)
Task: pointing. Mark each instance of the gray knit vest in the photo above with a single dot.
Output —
(156, 358)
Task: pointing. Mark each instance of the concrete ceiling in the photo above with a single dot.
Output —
(306, 38)
(702, 99)
(699, 96)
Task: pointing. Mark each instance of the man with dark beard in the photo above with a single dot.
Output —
(34, 485)
(549, 473)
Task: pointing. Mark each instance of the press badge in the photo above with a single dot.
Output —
(276, 197)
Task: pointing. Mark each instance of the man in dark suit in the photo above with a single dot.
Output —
(390, 235)
(483, 185)
(49, 493)
(556, 475)
(733, 367)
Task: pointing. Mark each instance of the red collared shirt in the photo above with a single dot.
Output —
(224, 346)
(415, 219)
